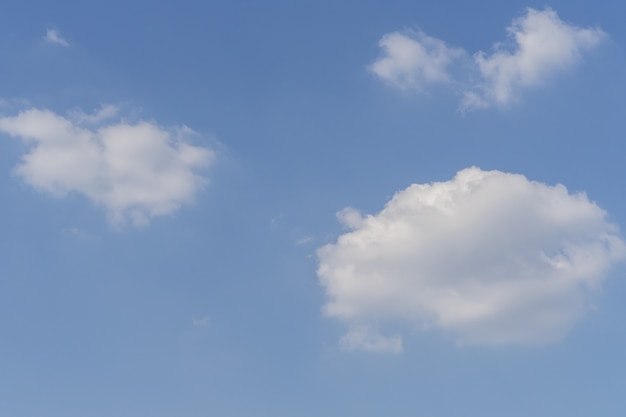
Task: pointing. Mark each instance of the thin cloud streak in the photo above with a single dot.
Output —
(54, 37)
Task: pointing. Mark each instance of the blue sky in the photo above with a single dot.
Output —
(322, 208)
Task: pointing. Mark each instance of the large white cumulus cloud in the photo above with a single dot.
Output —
(134, 171)
(489, 257)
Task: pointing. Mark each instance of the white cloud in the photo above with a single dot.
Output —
(541, 45)
(414, 60)
(368, 338)
(134, 171)
(53, 36)
(488, 257)
(544, 45)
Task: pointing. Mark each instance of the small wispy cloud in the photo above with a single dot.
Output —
(543, 46)
(414, 60)
(539, 46)
(304, 240)
(54, 37)
(81, 234)
(275, 221)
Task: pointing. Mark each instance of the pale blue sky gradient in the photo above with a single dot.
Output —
(215, 309)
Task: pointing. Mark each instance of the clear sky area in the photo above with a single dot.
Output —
(312, 208)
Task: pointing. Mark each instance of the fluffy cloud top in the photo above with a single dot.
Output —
(488, 257)
(134, 171)
(414, 60)
(53, 36)
(541, 44)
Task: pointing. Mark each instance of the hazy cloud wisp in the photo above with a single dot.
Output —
(54, 37)
(368, 338)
